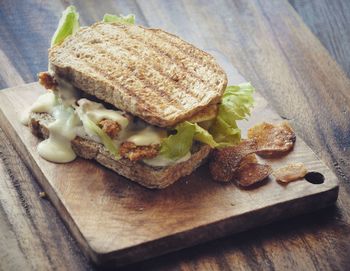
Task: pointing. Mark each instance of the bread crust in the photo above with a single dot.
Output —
(145, 175)
(147, 72)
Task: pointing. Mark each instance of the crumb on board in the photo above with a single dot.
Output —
(42, 194)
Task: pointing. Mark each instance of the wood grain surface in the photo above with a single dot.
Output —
(117, 221)
(273, 48)
(329, 21)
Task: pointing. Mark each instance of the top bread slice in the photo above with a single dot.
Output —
(147, 72)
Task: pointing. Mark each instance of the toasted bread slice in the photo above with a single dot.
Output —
(147, 72)
(148, 176)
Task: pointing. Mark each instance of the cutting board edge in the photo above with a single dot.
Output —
(183, 240)
(332, 189)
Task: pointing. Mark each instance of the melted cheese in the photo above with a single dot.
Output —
(24, 118)
(162, 161)
(97, 112)
(44, 104)
(148, 136)
(67, 92)
(57, 148)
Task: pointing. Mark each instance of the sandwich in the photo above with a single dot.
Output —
(139, 101)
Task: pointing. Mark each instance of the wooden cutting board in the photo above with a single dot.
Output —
(116, 220)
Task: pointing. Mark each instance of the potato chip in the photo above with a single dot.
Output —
(226, 161)
(251, 174)
(290, 173)
(272, 139)
(250, 158)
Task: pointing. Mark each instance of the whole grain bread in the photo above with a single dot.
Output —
(148, 176)
(147, 72)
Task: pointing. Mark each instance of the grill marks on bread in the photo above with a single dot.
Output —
(147, 72)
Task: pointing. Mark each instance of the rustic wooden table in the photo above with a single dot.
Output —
(273, 48)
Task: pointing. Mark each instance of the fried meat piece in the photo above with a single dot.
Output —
(47, 80)
(133, 152)
(110, 127)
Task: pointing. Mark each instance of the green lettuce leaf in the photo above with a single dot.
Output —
(68, 25)
(106, 140)
(178, 145)
(235, 105)
(110, 18)
(203, 135)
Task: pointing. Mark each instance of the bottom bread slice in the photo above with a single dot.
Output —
(148, 176)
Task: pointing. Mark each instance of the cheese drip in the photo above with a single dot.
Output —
(57, 148)
(44, 104)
